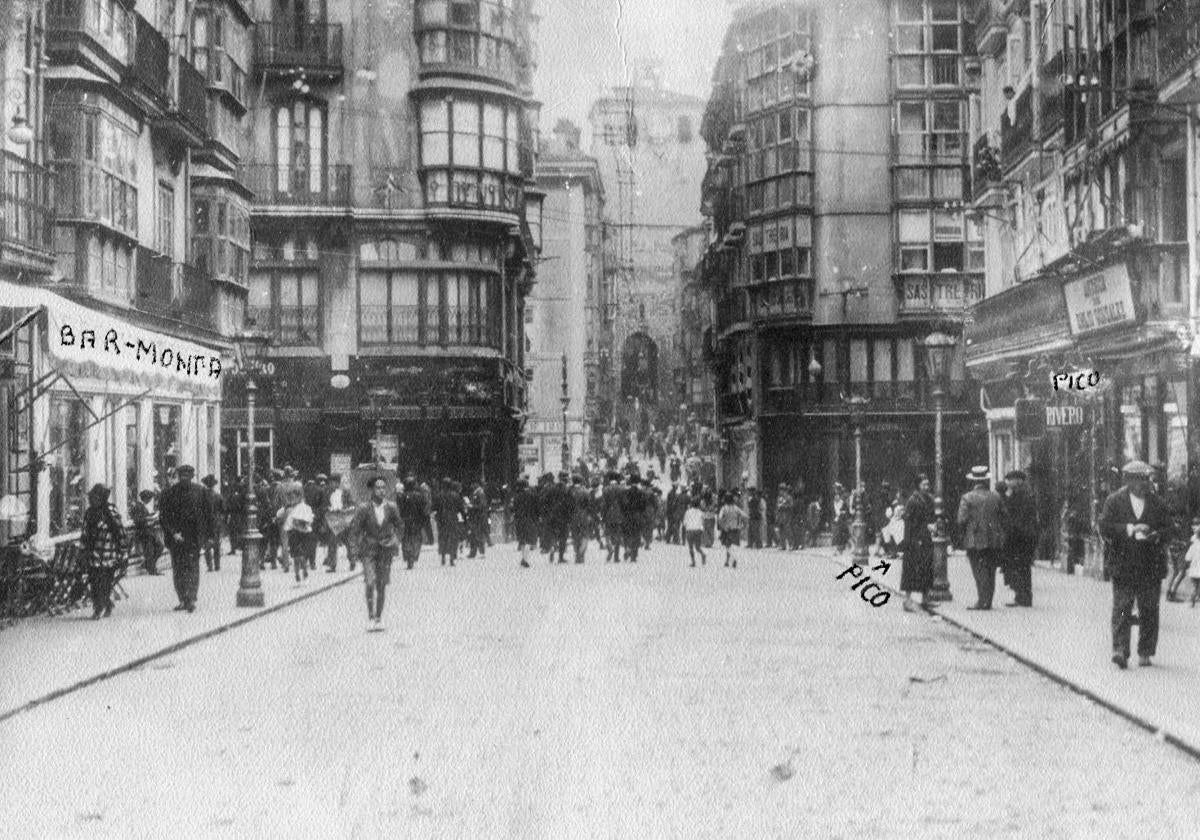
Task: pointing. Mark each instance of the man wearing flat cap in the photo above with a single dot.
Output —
(183, 514)
(1021, 517)
(1136, 525)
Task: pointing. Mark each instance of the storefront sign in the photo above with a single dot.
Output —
(932, 292)
(388, 448)
(1065, 415)
(340, 463)
(1099, 301)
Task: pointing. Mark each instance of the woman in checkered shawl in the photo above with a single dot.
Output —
(103, 545)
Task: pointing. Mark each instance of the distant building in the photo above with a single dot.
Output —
(651, 158)
(693, 377)
(391, 150)
(838, 141)
(561, 312)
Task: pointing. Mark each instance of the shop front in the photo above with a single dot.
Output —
(91, 397)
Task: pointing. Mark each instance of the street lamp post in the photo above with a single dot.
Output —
(858, 528)
(939, 348)
(250, 593)
(566, 401)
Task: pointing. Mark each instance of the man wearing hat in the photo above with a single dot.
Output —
(214, 509)
(557, 507)
(183, 514)
(612, 512)
(1021, 517)
(981, 523)
(1137, 527)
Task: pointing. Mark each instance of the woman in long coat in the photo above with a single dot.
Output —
(916, 567)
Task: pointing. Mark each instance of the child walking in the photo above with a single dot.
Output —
(729, 522)
(693, 531)
(1192, 559)
(302, 539)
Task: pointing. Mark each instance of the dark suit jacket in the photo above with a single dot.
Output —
(1135, 561)
(981, 518)
(369, 535)
(184, 509)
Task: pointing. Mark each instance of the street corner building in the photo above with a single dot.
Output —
(843, 260)
(1083, 178)
(123, 249)
(396, 226)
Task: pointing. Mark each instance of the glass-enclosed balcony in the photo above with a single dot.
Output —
(477, 36)
(316, 48)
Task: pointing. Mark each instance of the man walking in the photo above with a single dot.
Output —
(633, 512)
(612, 512)
(214, 508)
(981, 522)
(1137, 527)
(556, 514)
(581, 516)
(1022, 520)
(375, 533)
(145, 531)
(183, 513)
(754, 508)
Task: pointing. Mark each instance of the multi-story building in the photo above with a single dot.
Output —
(838, 141)
(561, 317)
(117, 366)
(693, 373)
(390, 147)
(652, 163)
(1083, 151)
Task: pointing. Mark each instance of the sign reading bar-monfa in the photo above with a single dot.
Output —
(1100, 300)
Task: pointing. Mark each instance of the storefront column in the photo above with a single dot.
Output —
(215, 434)
(120, 461)
(201, 421)
(145, 444)
(97, 460)
(187, 434)
(41, 438)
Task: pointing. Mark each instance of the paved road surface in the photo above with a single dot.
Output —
(654, 701)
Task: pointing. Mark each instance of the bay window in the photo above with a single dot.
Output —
(92, 147)
(221, 233)
(473, 33)
(286, 303)
(470, 153)
(928, 43)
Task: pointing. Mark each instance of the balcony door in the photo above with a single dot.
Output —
(300, 148)
(292, 18)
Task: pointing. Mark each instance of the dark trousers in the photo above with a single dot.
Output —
(983, 568)
(100, 585)
(754, 537)
(185, 572)
(332, 541)
(150, 548)
(612, 533)
(212, 553)
(1146, 596)
(694, 540)
(477, 534)
(559, 533)
(1019, 576)
(580, 531)
(633, 543)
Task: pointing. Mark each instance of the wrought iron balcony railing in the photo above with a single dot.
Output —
(314, 47)
(327, 186)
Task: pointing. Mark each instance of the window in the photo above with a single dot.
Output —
(167, 422)
(299, 310)
(389, 308)
(475, 33)
(92, 144)
(468, 150)
(221, 233)
(68, 466)
(164, 228)
(300, 148)
(927, 53)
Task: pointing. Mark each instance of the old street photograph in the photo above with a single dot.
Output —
(555, 419)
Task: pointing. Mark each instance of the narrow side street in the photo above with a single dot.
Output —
(653, 700)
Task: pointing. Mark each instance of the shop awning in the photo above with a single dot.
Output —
(84, 342)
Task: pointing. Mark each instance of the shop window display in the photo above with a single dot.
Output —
(67, 464)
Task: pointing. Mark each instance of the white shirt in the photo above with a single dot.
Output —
(693, 519)
(380, 509)
(1138, 505)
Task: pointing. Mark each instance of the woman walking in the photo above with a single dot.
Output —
(103, 546)
(916, 566)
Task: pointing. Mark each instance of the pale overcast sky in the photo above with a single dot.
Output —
(587, 46)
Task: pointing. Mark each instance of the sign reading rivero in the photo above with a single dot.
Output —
(1100, 300)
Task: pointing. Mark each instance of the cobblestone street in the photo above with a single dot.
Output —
(635, 701)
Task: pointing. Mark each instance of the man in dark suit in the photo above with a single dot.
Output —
(612, 512)
(981, 520)
(183, 514)
(1137, 527)
(215, 509)
(557, 508)
(1022, 520)
(375, 534)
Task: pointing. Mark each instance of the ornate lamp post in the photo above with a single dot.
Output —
(250, 346)
(565, 399)
(939, 349)
(376, 396)
(858, 528)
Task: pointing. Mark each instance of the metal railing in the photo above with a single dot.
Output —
(299, 186)
(313, 46)
(899, 396)
(174, 290)
(27, 203)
